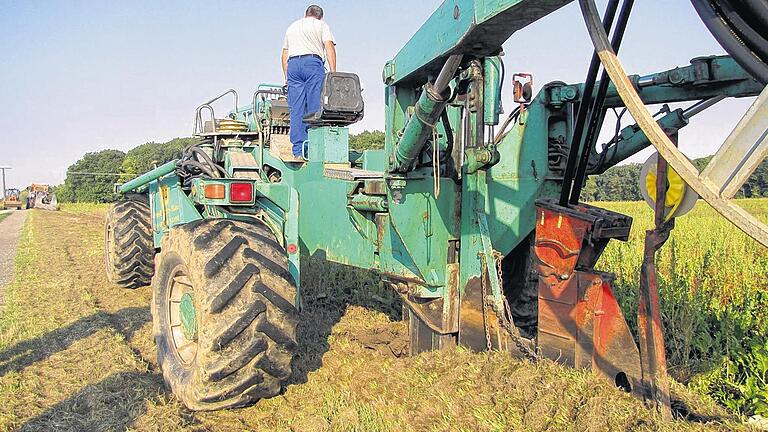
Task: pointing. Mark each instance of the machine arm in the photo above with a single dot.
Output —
(709, 79)
(469, 27)
(705, 78)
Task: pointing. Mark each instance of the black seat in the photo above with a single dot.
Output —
(341, 101)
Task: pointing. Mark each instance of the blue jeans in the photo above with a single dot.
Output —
(305, 82)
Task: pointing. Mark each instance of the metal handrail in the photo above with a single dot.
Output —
(198, 112)
(199, 118)
(232, 91)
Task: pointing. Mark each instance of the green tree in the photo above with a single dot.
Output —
(367, 140)
(63, 193)
(139, 159)
(88, 179)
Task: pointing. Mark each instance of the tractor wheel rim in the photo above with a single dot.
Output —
(182, 315)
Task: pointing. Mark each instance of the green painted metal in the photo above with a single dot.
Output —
(188, 316)
(170, 206)
(633, 140)
(492, 80)
(519, 178)
(476, 27)
(329, 144)
(292, 240)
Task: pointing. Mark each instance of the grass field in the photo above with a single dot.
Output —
(76, 352)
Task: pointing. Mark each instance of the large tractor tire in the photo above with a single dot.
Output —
(129, 249)
(520, 282)
(223, 314)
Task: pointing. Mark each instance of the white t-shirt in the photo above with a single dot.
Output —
(307, 36)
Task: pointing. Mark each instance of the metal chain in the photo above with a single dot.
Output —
(507, 321)
(483, 293)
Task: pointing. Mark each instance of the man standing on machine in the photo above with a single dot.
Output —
(308, 42)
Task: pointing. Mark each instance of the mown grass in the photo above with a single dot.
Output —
(4, 215)
(76, 354)
(713, 285)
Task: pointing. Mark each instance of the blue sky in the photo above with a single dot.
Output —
(79, 76)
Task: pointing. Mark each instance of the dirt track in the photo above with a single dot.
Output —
(10, 229)
(76, 353)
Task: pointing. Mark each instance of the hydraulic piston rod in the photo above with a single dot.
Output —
(420, 127)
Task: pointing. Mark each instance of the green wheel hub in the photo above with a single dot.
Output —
(182, 315)
(188, 316)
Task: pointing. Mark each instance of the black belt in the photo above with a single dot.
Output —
(306, 55)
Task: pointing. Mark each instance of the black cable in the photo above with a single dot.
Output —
(737, 20)
(584, 105)
(214, 166)
(596, 112)
(448, 133)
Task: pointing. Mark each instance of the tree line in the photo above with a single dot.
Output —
(92, 178)
(621, 183)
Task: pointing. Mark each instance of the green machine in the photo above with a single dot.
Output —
(454, 212)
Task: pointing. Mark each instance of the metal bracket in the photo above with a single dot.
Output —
(489, 259)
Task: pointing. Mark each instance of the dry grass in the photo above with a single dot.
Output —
(76, 354)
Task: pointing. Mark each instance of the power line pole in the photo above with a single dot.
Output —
(3, 168)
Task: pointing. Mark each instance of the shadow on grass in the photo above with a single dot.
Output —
(118, 400)
(126, 322)
(111, 404)
(328, 289)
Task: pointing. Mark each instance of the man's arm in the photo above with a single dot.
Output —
(285, 63)
(330, 52)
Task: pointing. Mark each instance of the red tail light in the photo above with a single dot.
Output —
(241, 192)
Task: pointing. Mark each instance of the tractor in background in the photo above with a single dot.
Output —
(472, 218)
(12, 199)
(41, 196)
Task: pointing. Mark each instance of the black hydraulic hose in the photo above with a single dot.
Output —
(733, 42)
(202, 168)
(202, 156)
(586, 98)
(448, 133)
(755, 12)
(503, 129)
(597, 113)
(737, 20)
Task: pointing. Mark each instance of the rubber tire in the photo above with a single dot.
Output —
(132, 263)
(246, 318)
(521, 286)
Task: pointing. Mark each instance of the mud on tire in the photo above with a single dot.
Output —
(244, 313)
(129, 249)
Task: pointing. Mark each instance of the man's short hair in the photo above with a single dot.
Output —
(314, 11)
